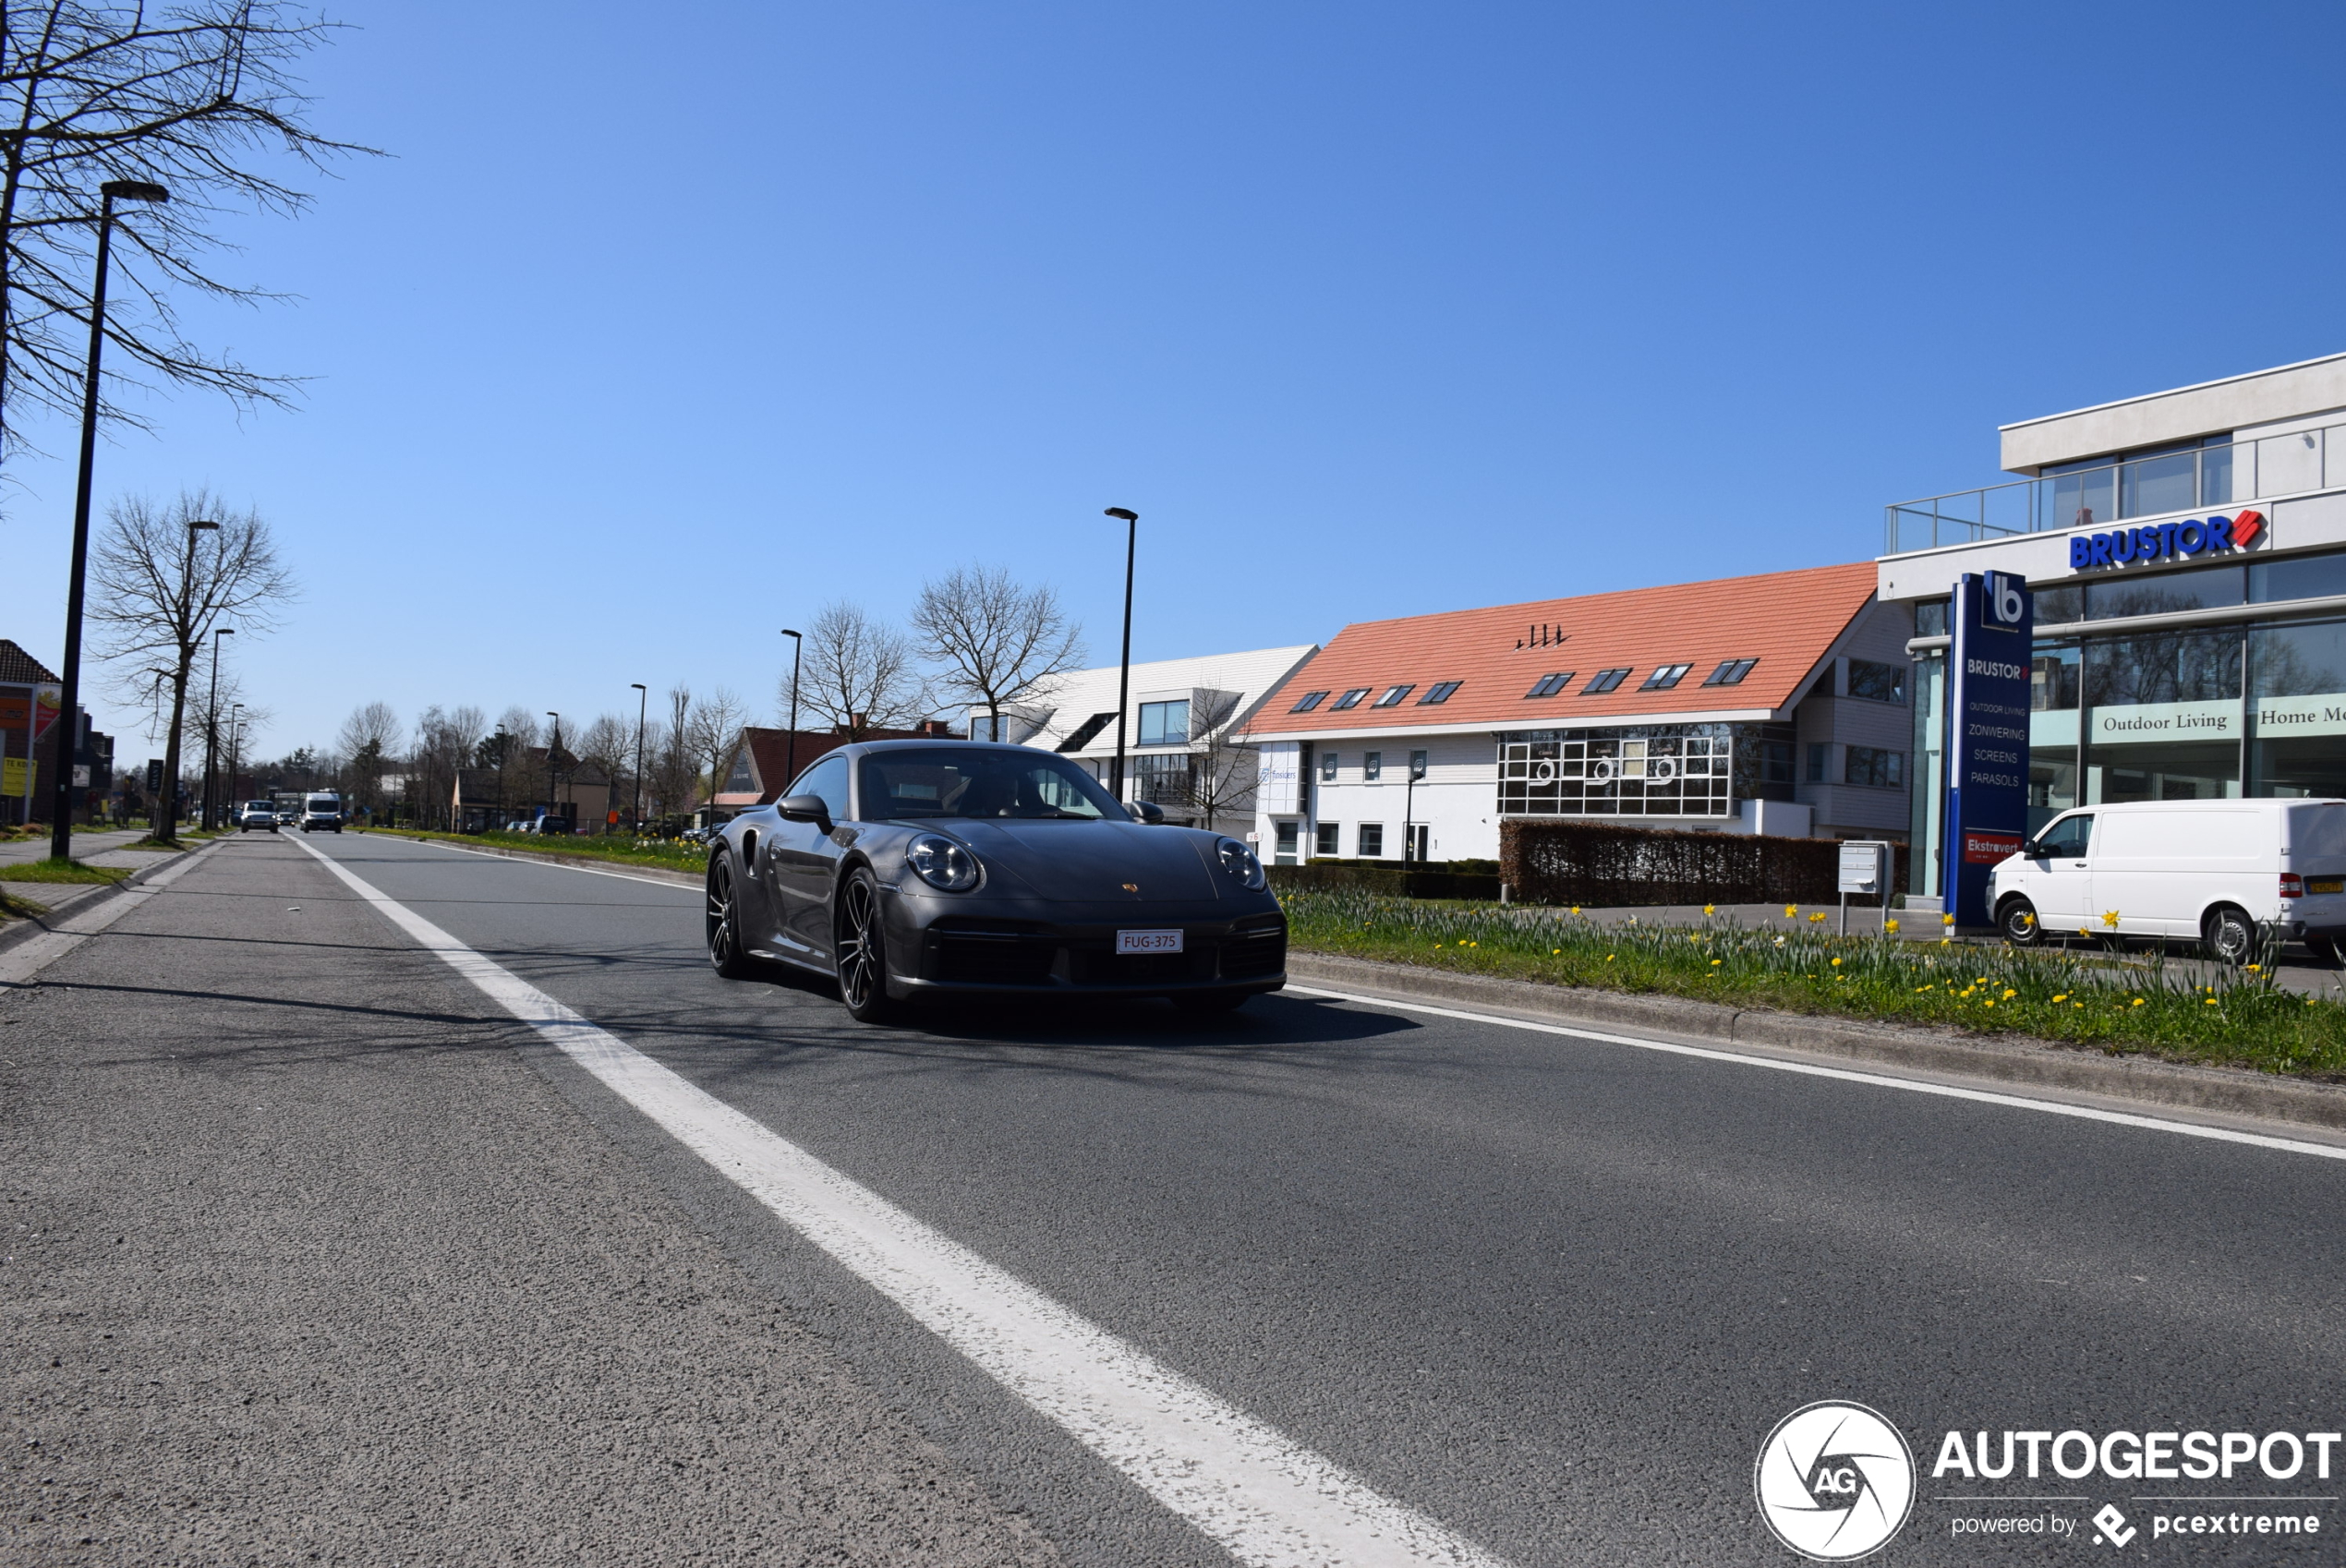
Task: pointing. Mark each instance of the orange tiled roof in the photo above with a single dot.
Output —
(1785, 619)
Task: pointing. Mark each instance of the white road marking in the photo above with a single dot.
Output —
(1266, 1499)
(558, 865)
(1881, 1080)
(20, 963)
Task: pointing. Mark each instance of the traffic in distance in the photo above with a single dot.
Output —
(913, 870)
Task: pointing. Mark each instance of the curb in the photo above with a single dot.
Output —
(2044, 1064)
(577, 863)
(83, 897)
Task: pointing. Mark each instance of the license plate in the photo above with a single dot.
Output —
(2327, 884)
(1148, 941)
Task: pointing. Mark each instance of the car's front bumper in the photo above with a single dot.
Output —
(939, 945)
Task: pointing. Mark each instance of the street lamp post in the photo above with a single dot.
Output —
(790, 747)
(553, 750)
(499, 825)
(211, 723)
(69, 691)
(236, 747)
(643, 711)
(1131, 521)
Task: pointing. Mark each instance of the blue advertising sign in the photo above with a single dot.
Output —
(1993, 621)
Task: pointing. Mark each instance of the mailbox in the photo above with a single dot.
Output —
(1865, 867)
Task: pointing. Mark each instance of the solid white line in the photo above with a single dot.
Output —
(1882, 1080)
(1267, 1500)
(20, 963)
(556, 865)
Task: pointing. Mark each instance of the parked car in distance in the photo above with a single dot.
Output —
(256, 813)
(953, 869)
(321, 812)
(2226, 873)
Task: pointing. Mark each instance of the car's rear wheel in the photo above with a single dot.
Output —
(2228, 935)
(2017, 920)
(724, 924)
(861, 944)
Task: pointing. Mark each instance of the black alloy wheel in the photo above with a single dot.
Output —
(861, 947)
(725, 955)
(2228, 935)
(2017, 920)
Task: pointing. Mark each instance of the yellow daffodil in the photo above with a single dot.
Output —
(2063, 998)
(1946, 919)
(1791, 909)
(2139, 1001)
(1891, 926)
(1836, 963)
(1710, 908)
(1716, 962)
(2110, 919)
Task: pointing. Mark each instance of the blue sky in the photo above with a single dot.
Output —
(651, 338)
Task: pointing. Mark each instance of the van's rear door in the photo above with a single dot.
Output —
(2162, 868)
(2315, 847)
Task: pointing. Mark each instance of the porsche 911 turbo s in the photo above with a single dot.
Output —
(914, 870)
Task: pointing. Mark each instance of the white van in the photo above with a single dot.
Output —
(321, 812)
(2214, 872)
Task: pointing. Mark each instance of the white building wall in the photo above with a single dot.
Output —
(1456, 801)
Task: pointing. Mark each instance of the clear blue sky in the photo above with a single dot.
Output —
(657, 332)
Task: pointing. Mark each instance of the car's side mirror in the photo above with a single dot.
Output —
(2031, 850)
(1149, 812)
(805, 808)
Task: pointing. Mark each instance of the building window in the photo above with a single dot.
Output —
(1417, 765)
(1775, 763)
(1081, 736)
(1931, 618)
(1604, 680)
(1730, 672)
(1876, 681)
(1871, 765)
(1351, 698)
(1165, 779)
(1818, 754)
(1165, 724)
(1439, 693)
(1393, 695)
(1326, 839)
(1663, 770)
(1285, 833)
(1664, 677)
(1549, 685)
(1371, 841)
(1309, 701)
(1372, 765)
(1327, 767)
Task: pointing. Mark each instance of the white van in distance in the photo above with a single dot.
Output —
(2220, 873)
(321, 812)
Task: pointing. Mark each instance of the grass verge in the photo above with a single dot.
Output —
(61, 871)
(12, 908)
(2127, 1003)
(617, 847)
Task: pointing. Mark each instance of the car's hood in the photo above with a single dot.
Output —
(1092, 862)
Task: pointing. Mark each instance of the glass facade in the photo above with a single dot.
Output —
(2257, 707)
(1686, 770)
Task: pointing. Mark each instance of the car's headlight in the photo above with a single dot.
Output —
(1239, 861)
(942, 863)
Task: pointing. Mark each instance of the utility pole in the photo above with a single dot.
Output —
(1131, 521)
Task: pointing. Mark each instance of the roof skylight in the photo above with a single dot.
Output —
(1310, 700)
(1551, 685)
(1351, 698)
(1663, 678)
(1730, 672)
(1604, 680)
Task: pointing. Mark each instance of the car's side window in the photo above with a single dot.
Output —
(828, 779)
(2068, 838)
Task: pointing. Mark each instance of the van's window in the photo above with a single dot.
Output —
(2066, 840)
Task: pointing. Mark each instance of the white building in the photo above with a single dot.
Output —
(1774, 704)
(1181, 725)
(2186, 553)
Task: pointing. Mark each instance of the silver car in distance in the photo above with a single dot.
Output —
(917, 870)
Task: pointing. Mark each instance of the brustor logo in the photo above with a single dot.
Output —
(1835, 1480)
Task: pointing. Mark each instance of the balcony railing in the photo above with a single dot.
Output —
(2140, 486)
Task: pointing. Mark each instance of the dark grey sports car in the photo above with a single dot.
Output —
(915, 869)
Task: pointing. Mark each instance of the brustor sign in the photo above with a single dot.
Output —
(2165, 541)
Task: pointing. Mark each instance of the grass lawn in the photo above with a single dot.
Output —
(61, 871)
(2123, 1004)
(617, 847)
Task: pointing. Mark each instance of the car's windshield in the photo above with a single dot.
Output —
(259, 805)
(954, 781)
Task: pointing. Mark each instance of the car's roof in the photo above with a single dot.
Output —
(954, 743)
(2237, 803)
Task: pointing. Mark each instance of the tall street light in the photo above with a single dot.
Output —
(212, 721)
(790, 747)
(499, 825)
(236, 748)
(1131, 521)
(70, 692)
(643, 711)
(553, 749)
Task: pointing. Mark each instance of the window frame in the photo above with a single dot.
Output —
(1608, 681)
(1731, 672)
(1551, 684)
(1372, 766)
(1394, 695)
(1350, 699)
(1360, 847)
(1309, 701)
(1902, 679)
(1664, 676)
(1439, 693)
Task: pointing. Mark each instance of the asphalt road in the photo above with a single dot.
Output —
(315, 1254)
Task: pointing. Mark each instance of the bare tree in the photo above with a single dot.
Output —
(606, 743)
(160, 587)
(367, 741)
(192, 96)
(675, 753)
(447, 742)
(995, 640)
(715, 732)
(1222, 772)
(861, 675)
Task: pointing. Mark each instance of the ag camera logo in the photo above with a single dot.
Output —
(1835, 1480)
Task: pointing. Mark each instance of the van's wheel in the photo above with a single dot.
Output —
(724, 922)
(2017, 920)
(2228, 935)
(860, 944)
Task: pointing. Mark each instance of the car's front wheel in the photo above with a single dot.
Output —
(2228, 935)
(726, 955)
(2017, 920)
(861, 944)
